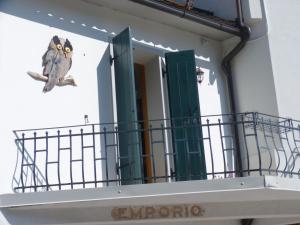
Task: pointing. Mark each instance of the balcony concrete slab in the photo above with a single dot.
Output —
(264, 197)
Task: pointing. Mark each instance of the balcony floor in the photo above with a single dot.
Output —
(265, 198)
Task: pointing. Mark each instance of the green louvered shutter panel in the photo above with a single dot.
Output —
(185, 116)
(129, 147)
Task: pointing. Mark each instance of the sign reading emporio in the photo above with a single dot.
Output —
(157, 212)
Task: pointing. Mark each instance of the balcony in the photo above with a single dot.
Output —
(157, 151)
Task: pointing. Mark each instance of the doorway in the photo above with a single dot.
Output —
(143, 120)
(141, 96)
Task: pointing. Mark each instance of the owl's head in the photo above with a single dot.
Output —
(68, 49)
(57, 43)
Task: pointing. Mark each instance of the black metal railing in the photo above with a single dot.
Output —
(97, 155)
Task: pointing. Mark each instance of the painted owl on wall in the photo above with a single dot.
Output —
(56, 63)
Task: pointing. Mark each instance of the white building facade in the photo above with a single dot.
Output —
(155, 131)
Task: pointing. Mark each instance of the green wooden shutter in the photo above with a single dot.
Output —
(185, 116)
(129, 147)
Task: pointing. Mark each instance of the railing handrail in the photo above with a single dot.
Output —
(157, 120)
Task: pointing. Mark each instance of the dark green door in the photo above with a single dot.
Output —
(185, 116)
(128, 136)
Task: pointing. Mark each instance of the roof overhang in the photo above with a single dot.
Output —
(236, 198)
(148, 13)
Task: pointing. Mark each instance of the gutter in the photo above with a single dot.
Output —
(226, 66)
(155, 4)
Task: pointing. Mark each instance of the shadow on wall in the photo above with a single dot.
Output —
(104, 88)
(72, 16)
(56, 14)
(84, 19)
(106, 113)
(27, 159)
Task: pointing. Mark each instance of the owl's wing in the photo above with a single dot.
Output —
(54, 72)
(70, 64)
(48, 56)
(48, 59)
(44, 59)
(65, 67)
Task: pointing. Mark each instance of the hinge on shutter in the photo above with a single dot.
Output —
(163, 72)
(172, 173)
(117, 169)
(111, 59)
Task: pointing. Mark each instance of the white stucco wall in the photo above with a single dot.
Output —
(265, 71)
(284, 37)
(252, 71)
(23, 103)
(27, 27)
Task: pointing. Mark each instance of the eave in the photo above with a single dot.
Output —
(206, 26)
(236, 198)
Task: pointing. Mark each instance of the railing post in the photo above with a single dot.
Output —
(105, 157)
(94, 155)
(82, 158)
(296, 149)
(223, 149)
(267, 145)
(186, 125)
(152, 153)
(210, 149)
(255, 116)
(165, 150)
(118, 157)
(58, 159)
(22, 162)
(246, 144)
(47, 160)
(34, 161)
(238, 157)
(71, 158)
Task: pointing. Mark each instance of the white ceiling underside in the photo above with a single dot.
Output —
(144, 12)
